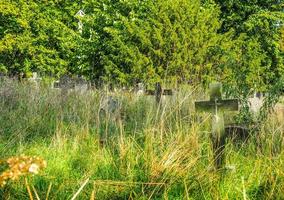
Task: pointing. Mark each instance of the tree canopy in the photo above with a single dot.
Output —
(36, 36)
(192, 41)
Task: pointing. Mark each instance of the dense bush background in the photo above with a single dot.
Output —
(194, 41)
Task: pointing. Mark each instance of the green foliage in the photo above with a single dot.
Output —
(260, 21)
(236, 12)
(149, 41)
(193, 41)
(34, 36)
(239, 62)
(254, 60)
(282, 40)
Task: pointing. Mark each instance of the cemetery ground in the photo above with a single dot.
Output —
(92, 146)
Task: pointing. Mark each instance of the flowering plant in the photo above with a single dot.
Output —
(21, 166)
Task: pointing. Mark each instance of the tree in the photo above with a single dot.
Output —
(259, 21)
(282, 40)
(34, 37)
(149, 41)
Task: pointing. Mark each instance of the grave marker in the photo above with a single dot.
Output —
(34, 79)
(65, 83)
(81, 85)
(2, 77)
(109, 111)
(139, 89)
(217, 106)
(158, 92)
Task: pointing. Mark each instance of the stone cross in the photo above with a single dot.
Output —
(158, 92)
(217, 106)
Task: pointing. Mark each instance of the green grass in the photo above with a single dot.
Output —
(150, 152)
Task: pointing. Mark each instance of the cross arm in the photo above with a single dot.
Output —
(224, 105)
(164, 92)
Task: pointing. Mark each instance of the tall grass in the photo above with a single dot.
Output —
(149, 151)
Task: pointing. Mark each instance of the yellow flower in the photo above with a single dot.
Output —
(34, 168)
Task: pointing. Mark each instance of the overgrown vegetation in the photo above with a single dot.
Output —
(145, 41)
(138, 150)
(150, 152)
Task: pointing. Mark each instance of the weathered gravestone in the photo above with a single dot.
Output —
(217, 106)
(2, 76)
(158, 92)
(65, 83)
(255, 103)
(34, 79)
(81, 85)
(139, 89)
(109, 112)
(110, 105)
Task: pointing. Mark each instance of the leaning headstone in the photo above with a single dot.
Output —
(217, 106)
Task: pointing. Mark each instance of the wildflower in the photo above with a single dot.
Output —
(21, 166)
(34, 168)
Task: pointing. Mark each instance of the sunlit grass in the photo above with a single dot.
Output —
(149, 152)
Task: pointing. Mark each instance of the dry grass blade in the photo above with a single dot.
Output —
(93, 194)
(36, 194)
(29, 189)
(186, 190)
(48, 191)
(110, 182)
(244, 189)
(80, 189)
